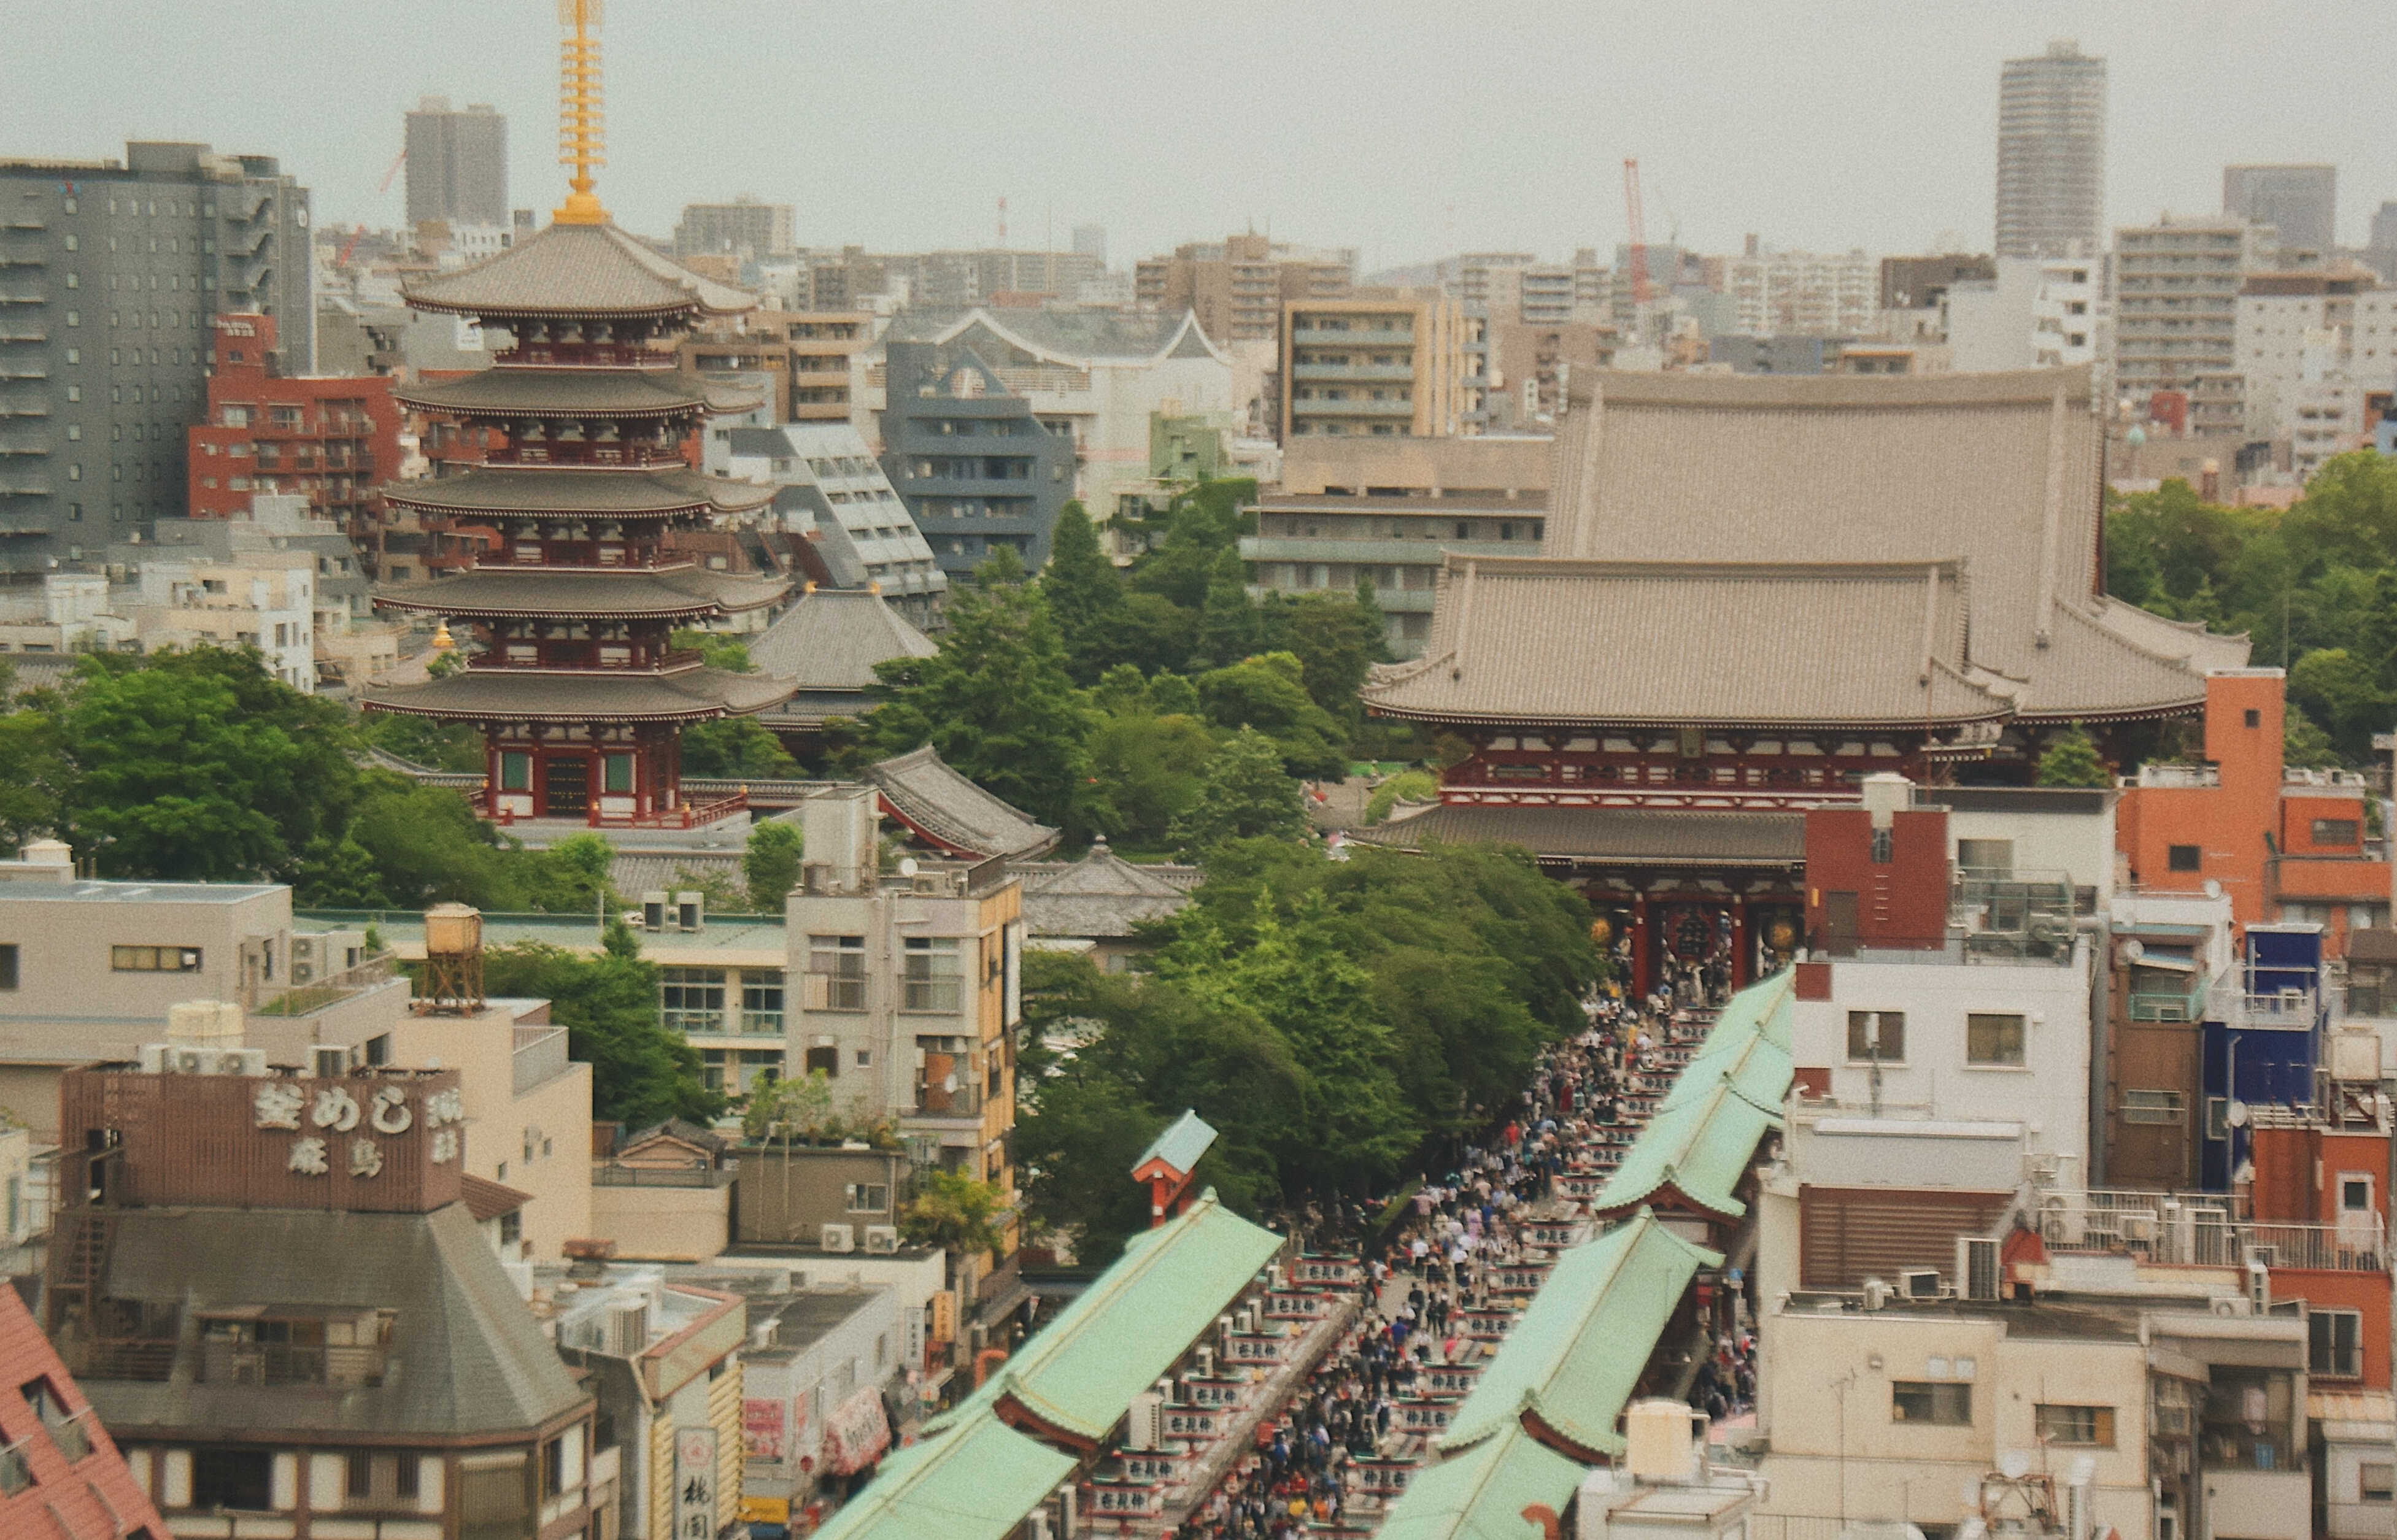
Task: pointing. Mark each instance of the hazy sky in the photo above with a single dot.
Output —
(1408, 129)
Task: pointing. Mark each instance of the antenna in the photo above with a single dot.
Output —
(582, 140)
(1002, 222)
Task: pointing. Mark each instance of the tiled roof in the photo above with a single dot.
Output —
(488, 1200)
(1481, 1492)
(517, 392)
(1998, 473)
(1576, 1357)
(1540, 641)
(1626, 835)
(976, 1481)
(1184, 1141)
(630, 593)
(476, 1360)
(576, 270)
(1081, 1370)
(832, 639)
(494, 695)
(573, 493)
(95, 1496)
(927, 795)
(1100, 895)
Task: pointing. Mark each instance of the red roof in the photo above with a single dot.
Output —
(93, 1495)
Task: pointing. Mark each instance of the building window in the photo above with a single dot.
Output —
(7, 965)
(154, 960)
(238, 1479)
(553, 1468)
(618, 770)
(2338, 831)
(692, 998)
(2376, 1481)
(1986, 857)
(2076, 1424)
(825, 1059)
(836, 973)
(931, 974)
(761, 1004)
(515, 772)
(1882, 846)
(2253, 718)
(359, 1481)
(1877, 1034)
(2335, 1344)
(2152, 1106)
(1993, 1038)
(1938, 1404)
(2181, 858)
(866, 1198)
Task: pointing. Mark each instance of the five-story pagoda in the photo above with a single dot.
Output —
(579, 696)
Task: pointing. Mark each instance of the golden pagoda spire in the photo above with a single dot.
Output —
(581, 138)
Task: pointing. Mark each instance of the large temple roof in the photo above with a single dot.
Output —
(925, 794)
(1735, 644)
(577, 492)
(511, 391)
(493, 695)
(832, 639)
(1622, 836)
(1998, 474)
(630, 593)
(576, 270)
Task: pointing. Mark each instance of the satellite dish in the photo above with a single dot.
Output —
(2236, 1115)
(2132, 950)
(2014, 1464)
(908, 867)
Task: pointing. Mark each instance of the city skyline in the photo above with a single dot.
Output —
(1895, 147)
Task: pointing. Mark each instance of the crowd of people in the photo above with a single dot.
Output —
(1424, 1280)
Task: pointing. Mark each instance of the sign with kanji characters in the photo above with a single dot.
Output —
(695, 1479)
(762, 1423)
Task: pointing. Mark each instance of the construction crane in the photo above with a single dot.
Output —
(349, 245)
(398, 161)
(1638, 232)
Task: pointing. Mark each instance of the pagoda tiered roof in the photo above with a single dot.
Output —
(542, 391)
(573, 491)
(583, 695)
(570, 270)
(673, 593)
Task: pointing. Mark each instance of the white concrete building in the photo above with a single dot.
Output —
(1806, 293)
(834, 491)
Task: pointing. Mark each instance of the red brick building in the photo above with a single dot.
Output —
(59, 1469)
(331, 438)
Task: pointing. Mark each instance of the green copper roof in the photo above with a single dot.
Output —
(1480, 1493)
(1762, 1007)
(1578, 1354)
(1754, 1066)
(1180, 1145)
(1701, 1147)
(1080, 1373)
(974, 1482)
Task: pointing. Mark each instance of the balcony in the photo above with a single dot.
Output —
(306, 1000)
(1352, 409)
(1398, 374)
(2201, 1230)
(2290, 1011)
(2169, 1005)
(1361, 337)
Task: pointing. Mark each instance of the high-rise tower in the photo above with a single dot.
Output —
(457, 164)
(584, 475)
(2052, 153)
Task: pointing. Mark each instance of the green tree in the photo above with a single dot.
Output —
(33, 776)
(1336, 638)
(1414, 786)
(801, 1109)
(996, 702)
(1243, 794)
(2303, 745)
(770, 865)
(2071, 760)
(735, 748)
(955, 1211)
(1084, 594)
(1269, 693)
(453, 746)
(1147, 770)
(640, 1073)
(717, 649)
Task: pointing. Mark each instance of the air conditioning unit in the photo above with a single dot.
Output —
(1978, 1271)
(625, 1332)
(330, 1064)
(1245, 1321)
(1920, 1283)
(1203, 1366)
(2355, 1056)
(690, 909)
(1877, 1293)
(653, 911)
(839, 1237)
(241, 1061)
(882, 1239)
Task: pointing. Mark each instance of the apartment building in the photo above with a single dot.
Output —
(1920, 283)
(1237, 287)
(2176, 288)
(331, 441)
(975, 464)
(110, 274)
(831, 492)
(808, 357)
(2299, 202)
(1391, 364)
(1388, 509)
(909, 989)
(456, 164)
(1818, 294)
(744, 228)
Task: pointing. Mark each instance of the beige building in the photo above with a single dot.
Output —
(1381, 363)
(530, 1108)
(1238, 286)
(807, 354)
(2176, 286)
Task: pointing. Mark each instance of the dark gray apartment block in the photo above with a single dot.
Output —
(975, 466)
(110, 273)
